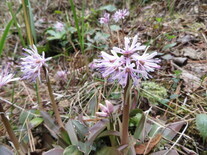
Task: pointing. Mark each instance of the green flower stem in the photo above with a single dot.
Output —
(125, 116)
(111, 128)
(52, 99)
(9, 130)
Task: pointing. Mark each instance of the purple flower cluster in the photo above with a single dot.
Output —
(118, 15)
(126, 63)
(61, 76)
(6, 77)
(32, 64)
(105, 19)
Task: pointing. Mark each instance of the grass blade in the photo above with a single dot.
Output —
(5, 34)
(16, 23)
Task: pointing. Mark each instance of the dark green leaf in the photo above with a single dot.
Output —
(36, 122)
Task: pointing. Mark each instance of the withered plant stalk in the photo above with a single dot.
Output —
(125, 116)
(52, 99)
(9, 130)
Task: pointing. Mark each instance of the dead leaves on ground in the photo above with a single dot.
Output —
(145, 148)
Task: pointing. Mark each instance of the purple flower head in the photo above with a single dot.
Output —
(105, 110)
(6, 77)
(128, 64)
(59, 26)
(61, 76)
(105, 19)
(120, 14)
(32, 64)
(130, 48)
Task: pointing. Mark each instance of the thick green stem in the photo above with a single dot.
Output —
(9, 130)
(125, 116)
(52, 99)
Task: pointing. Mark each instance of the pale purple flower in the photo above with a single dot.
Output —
(32, 64)
(130, 46)
(6, 77)
(120, 14)
(105, 19)
(127, 63)
(61, 76)
(146, 63)
(59, 26)
(105, 110)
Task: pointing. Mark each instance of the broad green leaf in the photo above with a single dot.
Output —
(81, 129)
(201, 124)
(169, 46)
(25, 115)
(109, 8)
(115, 27)
(72, 150)
(101, 37)
(36, 122)
(71, 132)
(85, 147)
(139, 120)
(72, 29)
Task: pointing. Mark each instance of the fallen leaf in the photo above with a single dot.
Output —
(148, 146)
(172, 129)
(192, 82)
(171, 152)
